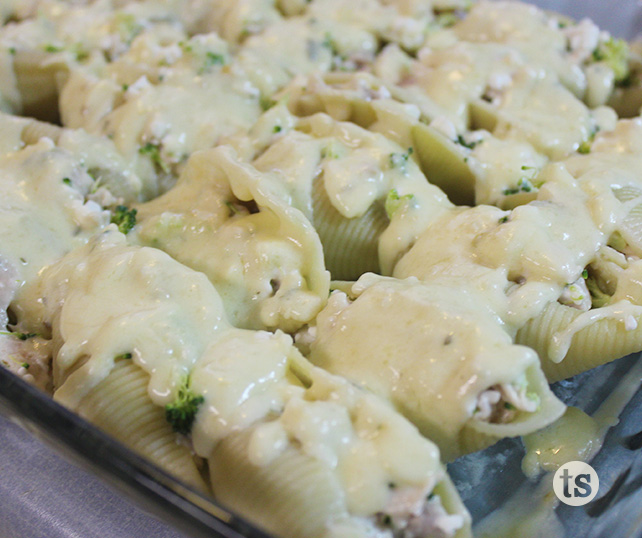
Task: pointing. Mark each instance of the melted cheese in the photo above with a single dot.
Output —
(429, 348)
(267, 264)
(42, 216)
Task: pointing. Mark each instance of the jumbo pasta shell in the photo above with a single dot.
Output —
(600, 342)
(293, 496)
(120, 406)
(445, 164)
(350, 246)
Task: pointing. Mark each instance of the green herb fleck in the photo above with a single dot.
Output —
(470, 145)
(277, 129)
(181, 413)
(509, 406)
(524, 184)
(123, 356)
(12, 51)
(124, 218)
(233, 209)
(19, 335)
(503, 219)
(66, 181)
(212, 59)
(585, 274)
(53, 48)
(400, 160)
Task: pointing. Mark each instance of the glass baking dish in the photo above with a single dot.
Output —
(485, 480)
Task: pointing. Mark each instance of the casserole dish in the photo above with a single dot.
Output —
(199, 517)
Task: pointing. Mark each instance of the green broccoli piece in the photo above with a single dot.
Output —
(124, 218)
(585, 147)
(181, 413)
(153, 151)
(598, 297)
(394, 202)
(615, 53)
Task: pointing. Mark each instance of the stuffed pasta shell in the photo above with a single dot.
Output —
(447, 364)
(364, 194)
(235, 224)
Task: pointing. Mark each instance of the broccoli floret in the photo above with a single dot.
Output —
(153, 151)
(394, 202)
(181, 413)
(615, 53)
(124, 218)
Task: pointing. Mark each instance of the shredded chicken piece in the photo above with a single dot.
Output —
(30, 359)
(500, 403)
(583, 38)
(415, 513)
(486, 403)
